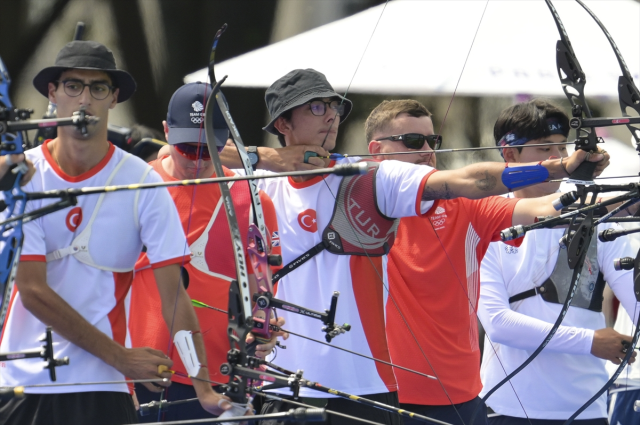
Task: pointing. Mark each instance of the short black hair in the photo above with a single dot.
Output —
(529, 120)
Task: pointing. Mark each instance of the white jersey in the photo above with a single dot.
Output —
(94, 278)
(304, 210)
(565, 375)
(629, 378)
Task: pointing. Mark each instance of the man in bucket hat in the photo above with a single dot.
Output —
(306, 111)
(77, 264)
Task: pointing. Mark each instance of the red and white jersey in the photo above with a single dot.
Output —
(94, 279)
(304, 210)
(434, 281)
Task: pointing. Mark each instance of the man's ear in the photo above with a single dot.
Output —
(52, 93)
(375, 147)
(165, 127)
(114, 102)
(510, 154)
(282, 125)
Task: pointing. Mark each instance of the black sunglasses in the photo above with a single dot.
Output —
(416, 141)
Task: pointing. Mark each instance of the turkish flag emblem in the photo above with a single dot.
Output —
(74, 219)
(307, 220)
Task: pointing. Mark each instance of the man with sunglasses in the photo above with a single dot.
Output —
(212, 266)
(77, 264)
(323, 230)
(436, 256)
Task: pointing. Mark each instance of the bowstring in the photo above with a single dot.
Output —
(200, 152)
(475, 310)
(395, 304)
(473, 307)
(356, 71)
(355, 233)
(391, 297)
(464, 65)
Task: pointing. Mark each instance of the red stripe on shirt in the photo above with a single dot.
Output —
(178, 260)
(117, 316)
(368, 292)
(42, 258)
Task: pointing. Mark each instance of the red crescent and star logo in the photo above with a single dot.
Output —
(74, 219)
(307, 220)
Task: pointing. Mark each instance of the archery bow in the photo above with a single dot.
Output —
(628, 97)
(242, 317)
(579, 234)
(239, 318)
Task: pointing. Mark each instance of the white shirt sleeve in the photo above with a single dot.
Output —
(398, 186)
(34, 236)
(621, 282)
(160, 226)
(508, 327)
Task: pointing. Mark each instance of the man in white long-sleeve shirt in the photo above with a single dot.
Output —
(571, 368)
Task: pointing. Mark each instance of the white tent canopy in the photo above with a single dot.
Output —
(420, 46)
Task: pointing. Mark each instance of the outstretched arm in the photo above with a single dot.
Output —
(484, 179)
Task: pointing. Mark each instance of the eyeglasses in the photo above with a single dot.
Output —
(193, 152)
(98, 90)
(416, 141)
(319, 107)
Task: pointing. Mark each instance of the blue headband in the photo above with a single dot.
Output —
(512, 139)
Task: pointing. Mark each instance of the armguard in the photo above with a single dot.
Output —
(183, 341)
(517, 177)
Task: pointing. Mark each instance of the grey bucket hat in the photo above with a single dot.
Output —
(297, 88)
(89, 55)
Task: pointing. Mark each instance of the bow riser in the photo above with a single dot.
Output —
(257, 250)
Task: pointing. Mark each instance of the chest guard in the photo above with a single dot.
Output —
(357, 227)
(80, 247)
(555, 289)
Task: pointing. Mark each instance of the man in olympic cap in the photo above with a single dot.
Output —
(212, 264)
(316, 214)
(77, 264)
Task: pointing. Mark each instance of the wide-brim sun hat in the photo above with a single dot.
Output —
(297, 88)
(89, 55)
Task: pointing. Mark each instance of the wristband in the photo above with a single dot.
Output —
(516, 177)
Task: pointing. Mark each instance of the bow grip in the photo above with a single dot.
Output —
(8, 181)
(584, 172)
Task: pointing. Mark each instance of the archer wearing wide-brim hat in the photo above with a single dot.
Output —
(77, 264)
(335, 233)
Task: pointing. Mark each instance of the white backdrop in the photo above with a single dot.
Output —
(420, 46)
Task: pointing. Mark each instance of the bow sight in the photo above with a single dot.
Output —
(45, 353)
